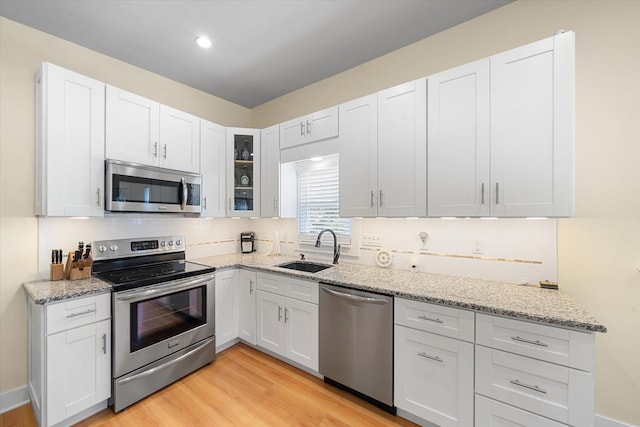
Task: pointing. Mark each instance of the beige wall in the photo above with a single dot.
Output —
(22, 49)
(599, 249)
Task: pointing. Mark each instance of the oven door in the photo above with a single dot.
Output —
(155, 321)
(139, 188)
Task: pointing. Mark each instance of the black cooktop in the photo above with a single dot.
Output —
(151, 274)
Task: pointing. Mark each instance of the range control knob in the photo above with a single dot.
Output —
(170, 242)
(102, 248)
(178, 242)
(163, 243)
(113, 248)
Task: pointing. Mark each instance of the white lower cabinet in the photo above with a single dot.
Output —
(69, 358)
(433, 374)
(226, 307)
(288, 325)
(247, 306)
(490, 413)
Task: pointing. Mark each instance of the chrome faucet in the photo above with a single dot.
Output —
(336, 247)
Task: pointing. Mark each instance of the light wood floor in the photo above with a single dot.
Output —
(243, 387)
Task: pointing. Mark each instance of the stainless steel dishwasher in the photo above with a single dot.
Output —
(356, 343)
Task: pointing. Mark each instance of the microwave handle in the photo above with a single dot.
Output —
(183, 202)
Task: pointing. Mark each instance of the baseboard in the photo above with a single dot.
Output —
(602, 421)
(13, 398)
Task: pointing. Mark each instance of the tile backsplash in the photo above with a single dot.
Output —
(516, 250)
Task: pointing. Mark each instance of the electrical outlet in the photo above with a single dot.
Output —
(477, 246)
(369, 239)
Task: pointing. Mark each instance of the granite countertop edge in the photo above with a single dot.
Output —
(453, 291)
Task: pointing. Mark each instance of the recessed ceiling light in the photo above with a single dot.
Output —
(203, 41)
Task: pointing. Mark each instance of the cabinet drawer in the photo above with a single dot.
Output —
(78, 312)
(490, 413)
(553, 391)
(556, 345)
(304, 290)
(447, 321)
(433, 377)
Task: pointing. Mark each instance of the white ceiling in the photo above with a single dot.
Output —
(262, 49)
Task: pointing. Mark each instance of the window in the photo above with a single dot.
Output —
(318, 202)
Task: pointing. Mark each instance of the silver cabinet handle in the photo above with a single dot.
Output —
(230, 203)
(98, 197)
(524, 340)
(286, 315)
(81, 313)
(428, 356)
(371, 198)
(301, 129)
(165, 151)
(308, 127)
(430, 319)
(155, 149)
(279, 313)
(482, 192)
(275, 203)
(497, 193)
(250, 286)
(104, 343)
(204, 202)
(355, 297)
(527, 386)
(380, 198)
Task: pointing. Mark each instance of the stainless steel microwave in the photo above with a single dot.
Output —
(131, 187)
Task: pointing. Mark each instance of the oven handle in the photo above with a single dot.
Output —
(167, 288)
(167, 364)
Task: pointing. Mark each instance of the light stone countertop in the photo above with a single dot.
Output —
(493, 297)
(45, 291)
(487, 296)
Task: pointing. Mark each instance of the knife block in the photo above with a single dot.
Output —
(56, 272)
(80, 269)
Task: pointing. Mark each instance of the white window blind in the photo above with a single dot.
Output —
(318, 206)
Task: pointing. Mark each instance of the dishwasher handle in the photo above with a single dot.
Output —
(355, 298)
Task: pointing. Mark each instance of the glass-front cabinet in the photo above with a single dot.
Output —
(244, 172)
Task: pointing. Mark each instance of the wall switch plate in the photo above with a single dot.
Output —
(477, 246)
(369, 239)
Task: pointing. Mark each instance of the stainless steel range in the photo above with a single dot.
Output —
(163, 320)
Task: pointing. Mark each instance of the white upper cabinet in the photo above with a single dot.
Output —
(243, 172)
(501, 134)
(69, 143)
(532, 129)
(143, 131)
(458, 141)
(313, 127)
(383, 153)
(212, 166)
(270, 172)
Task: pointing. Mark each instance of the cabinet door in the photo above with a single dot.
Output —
(322, 124)
(243, 176)
(434, 377)
(270, 312)
(358, 141)
(402, 150)
(458, 141)
(247, 306)
(132, 127)
(270, 172)
(179, 140)
(212, 166)
(301, 329)
(70, 143)
(78, 370)
(226, 307)
(292, 133)
(532, 100)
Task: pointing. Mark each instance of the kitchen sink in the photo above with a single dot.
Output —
(309, 267)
